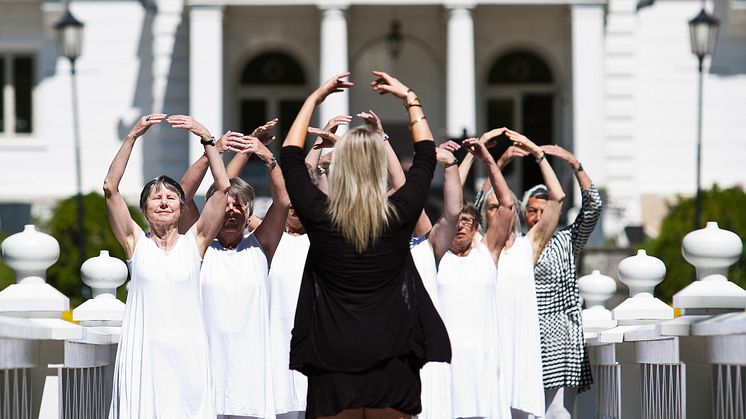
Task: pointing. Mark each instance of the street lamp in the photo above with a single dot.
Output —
(395, 39)
(703, 31)
(70, 42)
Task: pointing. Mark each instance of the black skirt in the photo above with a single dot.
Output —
(393, 382)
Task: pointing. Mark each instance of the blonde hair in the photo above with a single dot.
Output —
(358, 195)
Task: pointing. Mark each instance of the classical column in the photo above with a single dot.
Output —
(333, 59)
(588, 88)
(461, 84)
(205, 71)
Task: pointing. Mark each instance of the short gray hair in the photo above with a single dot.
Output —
(241, 189)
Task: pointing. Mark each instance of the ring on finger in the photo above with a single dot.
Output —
(147, 119)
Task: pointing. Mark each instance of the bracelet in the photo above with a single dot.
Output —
(385, 137)
(414, 102)
(453, 163)
(578, 169)
(412, 124)
(272, 163)
(540, 158)
(211, 141)
(409, 91)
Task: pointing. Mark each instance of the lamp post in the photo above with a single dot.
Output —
(395, 39)
(70, 42)
(703, 31)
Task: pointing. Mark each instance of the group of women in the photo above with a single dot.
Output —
(344, 301)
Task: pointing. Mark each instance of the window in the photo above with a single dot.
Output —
(16, 101)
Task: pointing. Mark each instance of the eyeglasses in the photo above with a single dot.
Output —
(466, 221)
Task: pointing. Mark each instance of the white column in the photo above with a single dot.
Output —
(588, 88)
(461, 84)
(333, 59)
(205, 72)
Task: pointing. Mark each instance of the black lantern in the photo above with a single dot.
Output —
(69, 36)
(703, 31)
(395, 39)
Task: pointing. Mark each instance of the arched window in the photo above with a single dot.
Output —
(273, 68)
(519, 67)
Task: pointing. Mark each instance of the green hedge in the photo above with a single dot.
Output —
(721, 205)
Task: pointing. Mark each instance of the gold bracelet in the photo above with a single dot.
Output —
(412, 124)
(412, 103)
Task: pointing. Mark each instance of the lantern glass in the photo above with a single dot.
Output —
(69, 36)
(703, 31)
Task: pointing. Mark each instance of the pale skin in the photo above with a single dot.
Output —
(163, 208)
(269, 231)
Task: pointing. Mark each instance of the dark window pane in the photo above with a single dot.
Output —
(273, 68)
(537, 125)
(500, 113)
(2, 100)
(519, 67)
(288, 110)
(253, 114)
(23, 81)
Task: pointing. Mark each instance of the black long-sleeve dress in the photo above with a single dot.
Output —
(364, 323)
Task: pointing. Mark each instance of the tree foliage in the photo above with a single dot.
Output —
(721, 205)
(63, 226)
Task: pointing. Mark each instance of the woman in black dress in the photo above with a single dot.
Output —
(364, 324)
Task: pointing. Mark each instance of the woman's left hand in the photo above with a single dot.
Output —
(372, 121)
(262, 132)
(144, 123)
(333, 85)
(477, 148)
(189, 123)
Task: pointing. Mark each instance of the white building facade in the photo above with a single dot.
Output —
(615, 85)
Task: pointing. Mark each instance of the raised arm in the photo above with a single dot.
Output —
(540, 234)
(269, 232)
(446, 228)
(209, 223)
(122, 225)
(591, 206)
(262, 134)
(313, 156)
(417, 121)
(500, 210)
(396, 173)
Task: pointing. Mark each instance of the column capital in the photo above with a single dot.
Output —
(331, 5)
(455, 5)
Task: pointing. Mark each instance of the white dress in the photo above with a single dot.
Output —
(284, 280)
(162, 367)
(518, 322)
(435, 376)
(467, 293)
(236, 304)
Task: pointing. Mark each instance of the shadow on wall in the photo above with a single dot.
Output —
(729, 58)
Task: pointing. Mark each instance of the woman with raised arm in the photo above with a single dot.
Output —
(162, 366)
(364, 325)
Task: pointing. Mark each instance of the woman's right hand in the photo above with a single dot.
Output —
(328, 139)
(145, 122)
(385, 83)
(231, 141)
(477, 148)
(520, 140)
(333, 85)
(335, 122)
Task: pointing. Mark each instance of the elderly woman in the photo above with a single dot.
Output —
(162, 365)
(364, 325)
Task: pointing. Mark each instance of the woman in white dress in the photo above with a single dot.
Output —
(467, 293)
(162, 367)
(235, 291)
(517, 313)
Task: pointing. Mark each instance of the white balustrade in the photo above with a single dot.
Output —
(596, 289)
(104, 274)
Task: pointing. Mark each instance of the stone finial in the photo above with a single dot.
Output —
(641, 273)
(596, 289)
(30, 253)
(104, 274)
(712, 251)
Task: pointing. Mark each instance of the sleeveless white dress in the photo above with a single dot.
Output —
(518, 322)
(236, 305)
(162, 367)
(435, 376)
(468, 302)
(290, 387)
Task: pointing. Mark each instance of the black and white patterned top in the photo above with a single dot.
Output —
(563, 353)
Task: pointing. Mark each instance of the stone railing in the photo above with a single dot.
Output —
(647, 363)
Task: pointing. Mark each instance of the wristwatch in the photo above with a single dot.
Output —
(211, 141)
(272, 163)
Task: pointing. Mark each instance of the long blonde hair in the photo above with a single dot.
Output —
(358, 195)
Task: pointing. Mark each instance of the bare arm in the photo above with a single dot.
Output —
(417, 121)
(580, 174)
(540, 234)
(122, 225)
(269, 232)
(445, 229)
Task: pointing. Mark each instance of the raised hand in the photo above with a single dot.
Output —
(144, 123)
(511, 153)
(555, 150)
(333, 85)
(189, 123)
(372, 121)
(489, 138)
(444, 156)
(253, 145)
(262, 132)
(477, 148)
(328, 139)
(231, 141)
(520, 140)
(450, 146)
(384, 83)
(334, 123)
